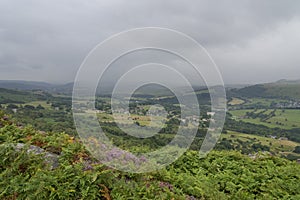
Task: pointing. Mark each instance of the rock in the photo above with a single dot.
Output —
(5, 118)
(50, 158)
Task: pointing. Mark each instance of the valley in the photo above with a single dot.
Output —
(261, 138)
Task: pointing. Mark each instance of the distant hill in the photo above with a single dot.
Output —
(65, 88)
(17, 96)
(287, 89)
(35, 85)
(281, 89)
(25, 85)
(148, 90)
(151, 90)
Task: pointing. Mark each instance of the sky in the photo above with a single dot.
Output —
(251, 41)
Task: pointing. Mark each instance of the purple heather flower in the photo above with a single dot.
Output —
(143, 159)
(87, 166)
(166, 185)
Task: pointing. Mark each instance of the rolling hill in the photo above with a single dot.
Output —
(35, 85)
(16, 96)
(283, 89)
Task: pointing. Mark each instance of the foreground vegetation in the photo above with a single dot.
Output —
(221, 175)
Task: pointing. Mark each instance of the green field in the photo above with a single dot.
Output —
(236, 101)
(285, 119)
(260, 101)
(276, 145)
(256, 102)
(36, 103)
(13, 96)
(280, 90)
(33, 103)
(142, 120)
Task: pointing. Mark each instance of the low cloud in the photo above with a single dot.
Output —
(251, 41)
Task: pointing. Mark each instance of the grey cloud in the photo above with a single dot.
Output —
(48, 40)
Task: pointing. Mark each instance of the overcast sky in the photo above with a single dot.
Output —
(250, 41)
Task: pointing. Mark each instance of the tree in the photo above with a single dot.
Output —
(12, 106)
(297, 149)
(137, 123)
(40, 107)
(30, 107)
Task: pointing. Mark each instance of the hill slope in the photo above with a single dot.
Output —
(15, 96)
(281, 89)
(35, 85)
(221, 175)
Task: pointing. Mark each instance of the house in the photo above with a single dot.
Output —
(283, 138)
(272, 136)
(211, 113)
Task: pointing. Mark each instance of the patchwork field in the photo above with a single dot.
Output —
(276, 145)
(32, 103)
(142, 120)
(286, 119)
(36, 103)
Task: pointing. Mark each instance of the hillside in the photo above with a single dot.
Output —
(72, 173)
(25, 85)
(19, 97)
(281, 89)
(35, 85)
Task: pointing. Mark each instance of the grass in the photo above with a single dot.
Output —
(33, 103)
(36, 103)
(259, 101)
(283, 90)
(264, 102)
(236, 101)
(142, 120)
(276, 145)
(286, 119)
(104, 117)
(13, 96)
